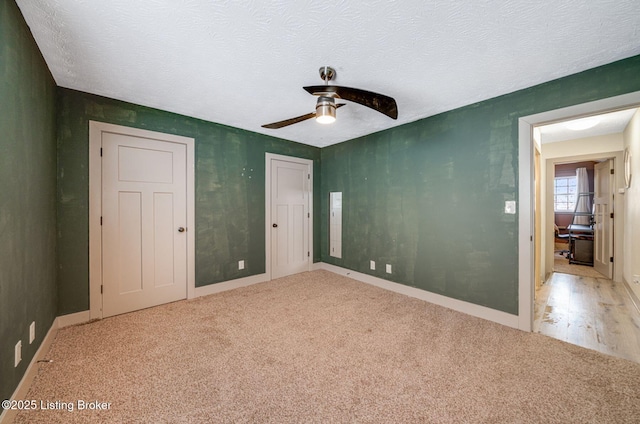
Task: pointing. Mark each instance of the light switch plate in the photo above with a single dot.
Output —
(372, 264)
(388, 269)
(510, 207)
(240, 264)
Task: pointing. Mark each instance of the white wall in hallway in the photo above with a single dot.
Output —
(583, 146)
(632, 206)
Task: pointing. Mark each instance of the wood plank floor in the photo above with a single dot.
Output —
(595, 313)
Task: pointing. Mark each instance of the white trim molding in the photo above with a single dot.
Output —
(230, 285)
(472, 309)
(95, 206)
(73, 319)
(526, 216)
(632, 294)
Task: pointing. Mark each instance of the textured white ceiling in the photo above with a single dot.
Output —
(244, 63)
(607, 123)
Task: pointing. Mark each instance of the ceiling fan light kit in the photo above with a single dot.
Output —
(325, 110)
(326, 105)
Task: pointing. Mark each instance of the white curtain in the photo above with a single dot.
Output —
(583, 202)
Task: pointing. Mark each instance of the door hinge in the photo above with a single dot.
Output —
(611, 215)
(308, 215)
(101, 286)
(308, 176)
(308, 254)
(611, 171)
(100, 220)
(101, 152)
(611, 259)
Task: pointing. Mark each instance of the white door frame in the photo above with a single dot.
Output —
(95, 206)
(526, 191)
(267, 208)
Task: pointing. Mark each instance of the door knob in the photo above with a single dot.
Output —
(275, 225)
(181, 230)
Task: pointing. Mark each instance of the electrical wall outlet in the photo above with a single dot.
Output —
(636, 279)
(18, 353)
(372, 264)
(240, 264)
(388, 269)
(32, 332)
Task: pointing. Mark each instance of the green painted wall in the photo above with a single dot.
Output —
(428, 197)
(230, 183)
(27, 195)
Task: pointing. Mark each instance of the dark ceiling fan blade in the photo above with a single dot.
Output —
(286, 122)
(383, 104)
(280, 124)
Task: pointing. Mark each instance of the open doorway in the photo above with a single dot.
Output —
(583, 299)
(526, 228)
(597, 151)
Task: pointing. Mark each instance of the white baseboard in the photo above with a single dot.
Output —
(73, 319)
(632, 294)
(230, 285)
(478, 311)
(8, 415)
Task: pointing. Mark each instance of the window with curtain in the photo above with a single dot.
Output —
(583, 198)
(564, 194)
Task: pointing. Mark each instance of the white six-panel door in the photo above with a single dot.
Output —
(144, 222)
(290, 217)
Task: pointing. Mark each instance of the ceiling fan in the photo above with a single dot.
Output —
(326, 106)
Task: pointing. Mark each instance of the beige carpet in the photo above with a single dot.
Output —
(320, 348)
